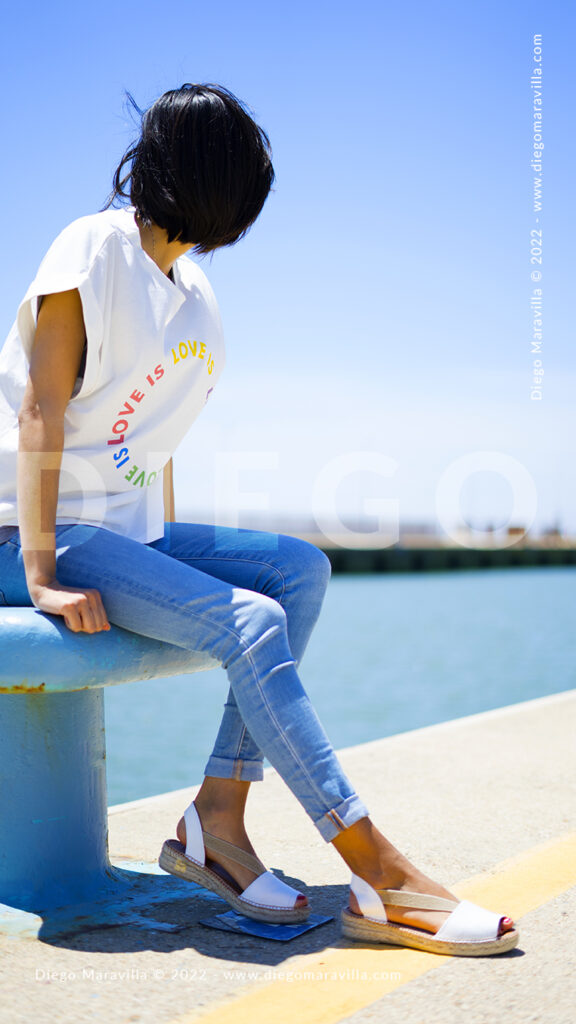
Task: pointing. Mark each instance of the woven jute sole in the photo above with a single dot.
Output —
(363, 929)
(173, 859)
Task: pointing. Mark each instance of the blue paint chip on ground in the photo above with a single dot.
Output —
(233, 922)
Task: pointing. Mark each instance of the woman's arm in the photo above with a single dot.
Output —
(56, 354)
(169, 506)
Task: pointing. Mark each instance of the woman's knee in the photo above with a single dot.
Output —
(262, 615)
(308, 563)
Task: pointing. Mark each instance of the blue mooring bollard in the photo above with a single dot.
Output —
(55, 875)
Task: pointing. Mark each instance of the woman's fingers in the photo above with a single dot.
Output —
(86, 612)
(82, 610)
(97, 610)
(78, 614)
(71, 616)
(91, 612)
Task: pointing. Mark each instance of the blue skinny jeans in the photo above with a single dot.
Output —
(248, 599)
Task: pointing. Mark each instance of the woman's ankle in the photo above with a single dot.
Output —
(222, 799)
(229, 826)
(372, 857)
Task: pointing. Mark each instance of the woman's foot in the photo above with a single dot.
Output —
(372, 857)
(232, 831)
(428, 920)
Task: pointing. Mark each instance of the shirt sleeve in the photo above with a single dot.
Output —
(76, 259)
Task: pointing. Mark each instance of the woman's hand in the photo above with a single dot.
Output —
(82, 610)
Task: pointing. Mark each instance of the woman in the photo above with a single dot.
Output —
(115, 350)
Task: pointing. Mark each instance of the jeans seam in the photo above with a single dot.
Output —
(335, 817)
(239, 747)
(245, 730)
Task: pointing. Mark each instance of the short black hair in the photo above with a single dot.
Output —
(201, 169)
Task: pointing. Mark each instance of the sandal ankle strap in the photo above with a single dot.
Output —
(419, 900)
(213, 844)
(199, 843)
(371, 901)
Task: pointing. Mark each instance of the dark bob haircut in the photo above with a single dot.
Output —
(201, 169)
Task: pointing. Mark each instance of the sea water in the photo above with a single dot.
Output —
(391, 652)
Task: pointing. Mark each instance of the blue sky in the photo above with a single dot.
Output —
(381, 304)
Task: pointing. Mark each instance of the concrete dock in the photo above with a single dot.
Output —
(485, 804)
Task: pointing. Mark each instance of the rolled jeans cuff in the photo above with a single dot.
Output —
(341, 817)
(234, 768)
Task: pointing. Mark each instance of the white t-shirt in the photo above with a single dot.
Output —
(154, 353)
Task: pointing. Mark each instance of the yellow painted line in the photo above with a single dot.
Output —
(326, 987)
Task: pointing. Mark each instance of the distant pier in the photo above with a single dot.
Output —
(441, 559)
(419, 547)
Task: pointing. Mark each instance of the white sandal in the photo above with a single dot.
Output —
(469, 931)
(267, 898)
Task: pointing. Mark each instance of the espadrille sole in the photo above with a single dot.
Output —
(174, 860)
(354, 926)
